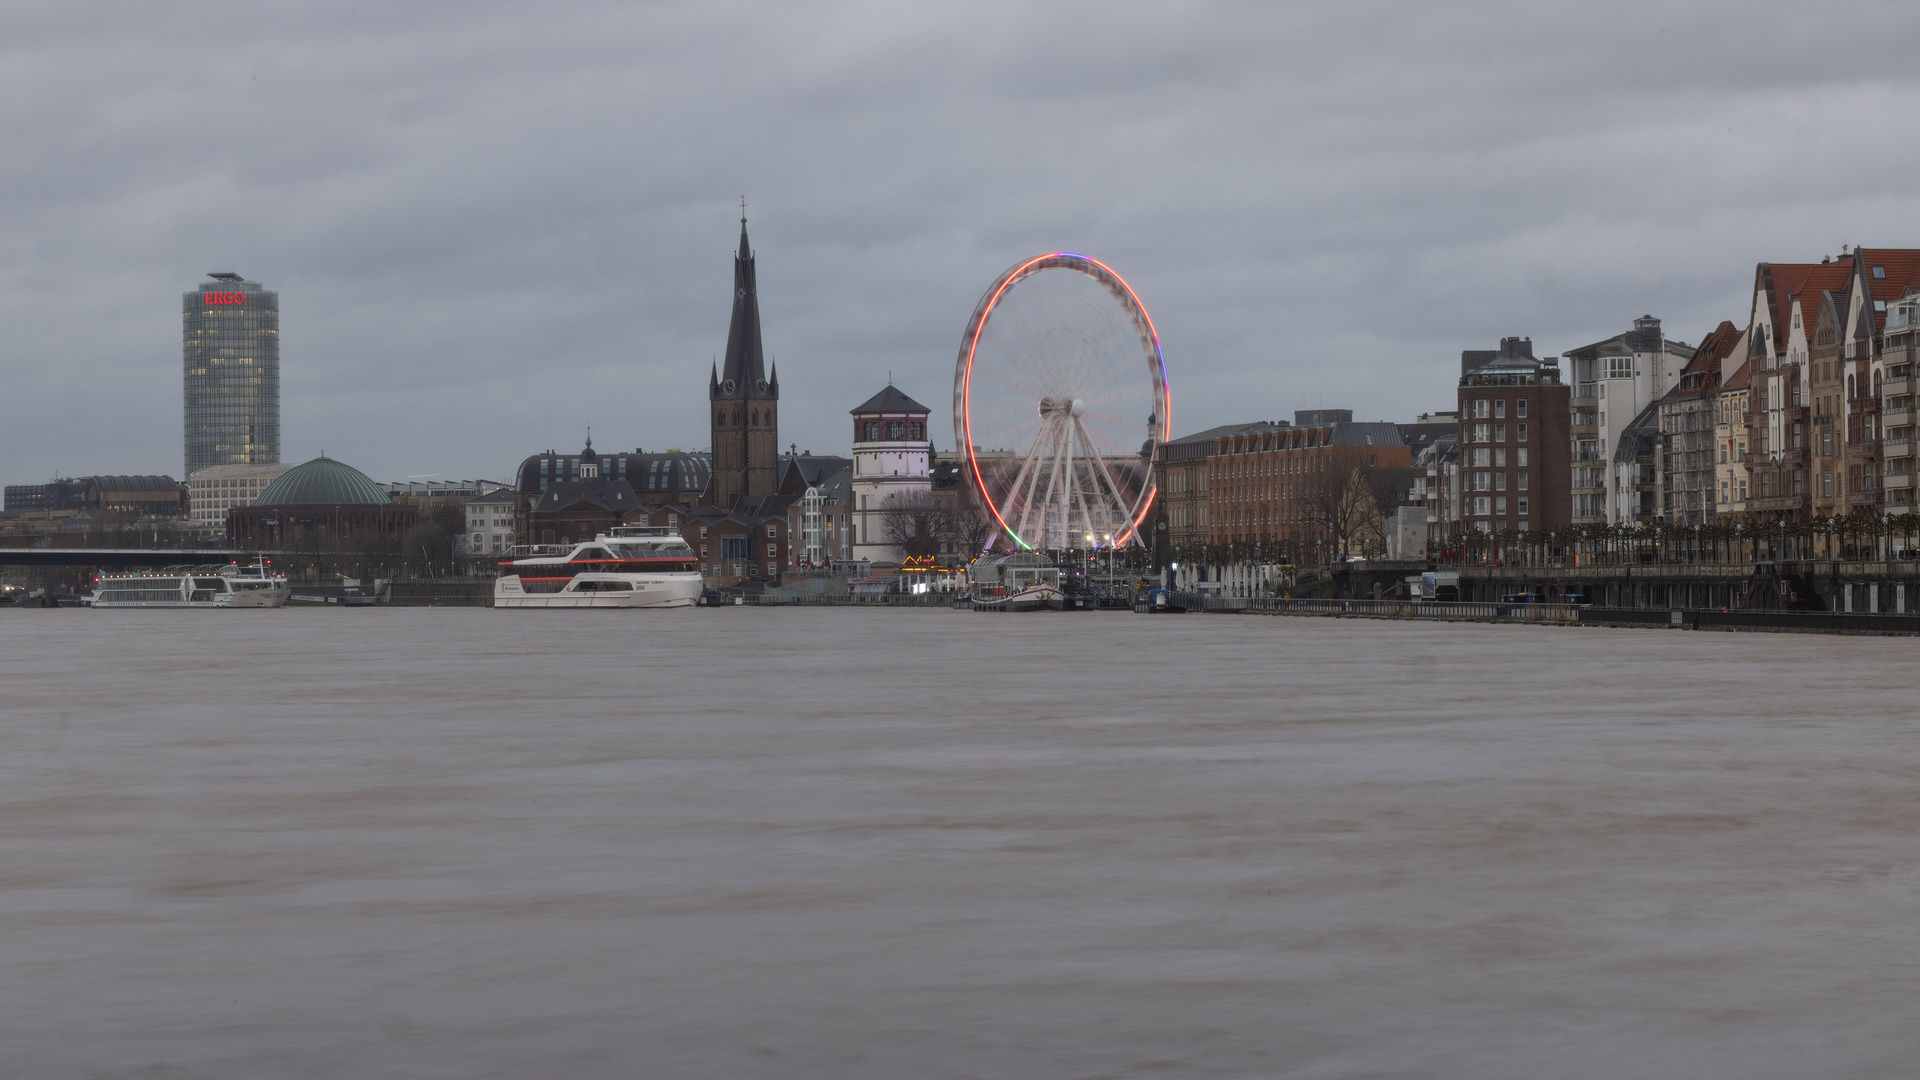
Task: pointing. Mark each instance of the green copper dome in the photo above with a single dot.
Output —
(323, 482)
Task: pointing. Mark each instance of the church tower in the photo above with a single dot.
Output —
(744, 399)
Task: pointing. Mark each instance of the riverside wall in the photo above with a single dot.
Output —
(1891, 588)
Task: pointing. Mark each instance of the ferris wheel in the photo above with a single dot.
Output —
(1059, 400)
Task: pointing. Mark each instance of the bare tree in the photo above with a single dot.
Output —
(913, 524)
(1343, 509)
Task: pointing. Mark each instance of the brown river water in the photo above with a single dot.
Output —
(842, 843)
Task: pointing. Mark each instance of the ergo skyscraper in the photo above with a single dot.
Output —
(231, 333)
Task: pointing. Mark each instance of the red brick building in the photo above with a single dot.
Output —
(1514, 443)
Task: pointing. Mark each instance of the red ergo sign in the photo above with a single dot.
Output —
(226, 298)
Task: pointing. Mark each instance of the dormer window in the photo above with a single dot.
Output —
(1879, 273)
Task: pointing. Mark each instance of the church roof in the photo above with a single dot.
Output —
(744, 369)
(890, 400)
(807, 470)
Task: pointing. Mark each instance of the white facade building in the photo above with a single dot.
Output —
(1613, 382)
(214, 490)
(489, 523)
(892, 457)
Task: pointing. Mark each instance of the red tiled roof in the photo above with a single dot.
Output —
(1706, 359)
(1739, 379)
(1831, 277)
(1788, 279)
(1902, 267)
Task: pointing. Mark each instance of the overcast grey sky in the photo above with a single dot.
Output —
(492, 224)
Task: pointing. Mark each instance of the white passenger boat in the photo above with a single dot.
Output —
(232, 586)
(625, 568)
(1022, 581)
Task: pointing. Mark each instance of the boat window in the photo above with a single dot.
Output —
(592, 554)
(215, 584)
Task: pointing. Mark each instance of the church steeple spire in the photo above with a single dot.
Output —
(743, 372)
(744, 402)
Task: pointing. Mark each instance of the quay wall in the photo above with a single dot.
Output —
(1890, 588)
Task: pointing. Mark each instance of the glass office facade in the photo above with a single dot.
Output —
(231, 334)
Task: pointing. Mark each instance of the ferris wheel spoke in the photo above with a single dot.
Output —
(1113, 488)
(1037, 456)
(1029, 507)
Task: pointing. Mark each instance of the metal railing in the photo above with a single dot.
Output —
(1415, 609)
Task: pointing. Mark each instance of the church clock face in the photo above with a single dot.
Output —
(761, 385)
(727, 386)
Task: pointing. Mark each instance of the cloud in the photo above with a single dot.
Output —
(493, 224)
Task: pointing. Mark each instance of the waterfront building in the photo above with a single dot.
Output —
(748, 542)
(588, 502)
(1830, 427)
(1893, 383)
(820, 521)
(1436, 485)
(892, 457)
(671, 476)
(1688, 431)
(1613, 382)
(140, 495)
(1513, 442)
(1309, 491)
(1426, 428)
(1180, 520)
(1730, 439)
(230, 329)
(1882, 279)
(1634, 476)
(428, 493)
(743, 398)
(318, 505)
(213, 491)
(489, 523)
(60, 493)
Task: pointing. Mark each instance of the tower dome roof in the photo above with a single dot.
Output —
(323, 482)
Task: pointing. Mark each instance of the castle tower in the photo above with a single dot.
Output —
(891, 456)
(744, 399)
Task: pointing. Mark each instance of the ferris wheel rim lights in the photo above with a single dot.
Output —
(964, 384)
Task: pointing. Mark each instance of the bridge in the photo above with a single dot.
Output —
(95, 558)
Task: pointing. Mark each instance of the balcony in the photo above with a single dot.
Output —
(1897, 481)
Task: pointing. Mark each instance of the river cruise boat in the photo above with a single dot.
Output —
(1022, 581)
(625, 568)
(229, 586)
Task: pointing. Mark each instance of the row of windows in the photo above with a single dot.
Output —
(1269, 466)
(1483, 505)
(1496, 457)
(1496, 408)
(894, 430)
(1496, 481)
(1498, 432)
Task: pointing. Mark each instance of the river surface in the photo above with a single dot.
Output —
(836, 843)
